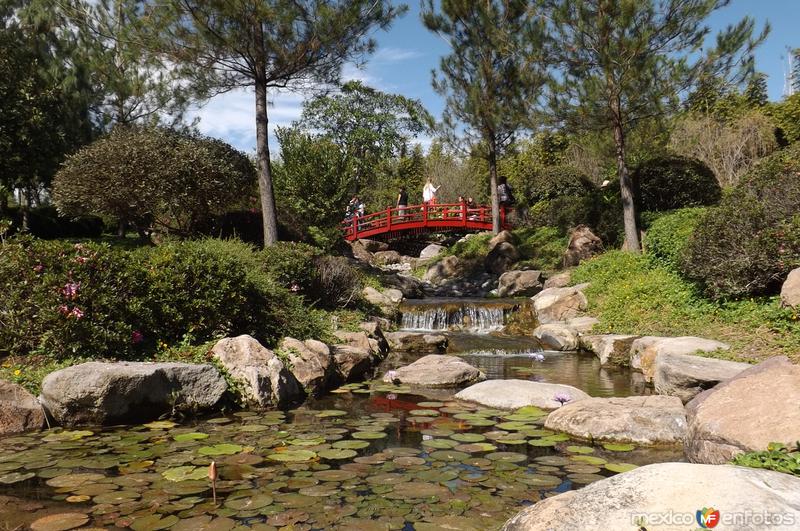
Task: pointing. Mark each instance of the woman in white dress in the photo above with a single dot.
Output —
(429, 192)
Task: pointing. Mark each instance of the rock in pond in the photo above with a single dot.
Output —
(417, 342)
(267, 382)
(19, 410)
(435, 370)
(645, 350)
(685, 375)
(514, 394)
(646, 420)
(610, 349)
(556, 336)
(352, 363)
(310, 362)
(519, 283)
(746, 413)
(108, 393)
(559, 304)
(644, 497)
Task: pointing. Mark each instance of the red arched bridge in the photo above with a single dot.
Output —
(419, 219)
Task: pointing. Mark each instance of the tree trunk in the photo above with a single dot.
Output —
(493, 186)
(268, 213)
(626, 190)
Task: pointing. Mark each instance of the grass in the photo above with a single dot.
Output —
(630, 294)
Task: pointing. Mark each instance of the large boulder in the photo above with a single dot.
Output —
(668, 496)
(504, 236)
(19, 410)
(559, 304)
(310, 362)
(435, 370)
(583, 244)
(790, 291)
(746, 413)
(558, 280)
(610, 349)
(108, 393)
(386, 258)
(417, 342)
(431, 251)
(446, 268)
(583, 324)
(352, 363)
(514, 394)
(645, 350)
(373, 246)
(519, 283)
(557, 336)
(500, 258)
(387, 300)
(685, 375)
(267, 382)
(647, 420)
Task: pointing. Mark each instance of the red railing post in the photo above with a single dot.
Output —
(424, 214)
(463, 214)
(355, 226)
(389, 219)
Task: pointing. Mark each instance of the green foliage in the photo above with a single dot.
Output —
(630, 294)
(30, 371)
(89, 299)
(155, 179)
(475, 246)
(541, 248)
(786, 115)
(44, 222)
(550, 182)
(749, 243)
(777, 456)
(667, 183)
(668, 236)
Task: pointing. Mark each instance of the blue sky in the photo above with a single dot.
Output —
(408, 52)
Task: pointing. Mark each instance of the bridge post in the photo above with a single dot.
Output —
(389, 219)
(424, 214)
(355, 226)
(463, 214)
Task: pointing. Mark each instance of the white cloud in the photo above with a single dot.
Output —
(394, 55)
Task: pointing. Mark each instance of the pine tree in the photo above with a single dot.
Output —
(626, 61)
(267, 45)
(492, 76)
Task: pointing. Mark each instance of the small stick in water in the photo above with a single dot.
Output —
(212, 475)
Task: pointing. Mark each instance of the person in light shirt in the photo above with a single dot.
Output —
(429, 192)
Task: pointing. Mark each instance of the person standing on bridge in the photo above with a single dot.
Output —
(402, 202)
(429, 192)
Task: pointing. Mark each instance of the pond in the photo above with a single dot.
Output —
(367, 456)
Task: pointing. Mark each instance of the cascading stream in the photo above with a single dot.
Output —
(468, 316)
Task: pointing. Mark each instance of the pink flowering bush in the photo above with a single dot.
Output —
(122, 304)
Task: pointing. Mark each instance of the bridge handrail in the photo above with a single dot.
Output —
(422, 216)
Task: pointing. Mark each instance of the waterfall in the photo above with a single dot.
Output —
(479, 316)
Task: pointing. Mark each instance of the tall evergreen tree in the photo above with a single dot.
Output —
(493, 74)
(266, 45)
(625, 61)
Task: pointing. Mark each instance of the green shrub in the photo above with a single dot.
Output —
(550, 182)
(748, 244)
(667, 183)
(92, 300)
(154, 179)
(777, 457)
(668, 235)
(45, 222)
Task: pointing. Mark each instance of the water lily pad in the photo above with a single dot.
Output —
(160, 425)
(368, 435)
(334, 475)
(541, 442)
(510, 457)
(468, 437)
(589, 459)
(183, 473)
(220, 449)
(59, 522)
(154, 522)
(67, 435)
(619, 447)
(74, 480)
(424, 412)
(431, 404)
(349, 444)
(585, 479)
(511, 439)
(253, 428)
(481, 422)
(337, 453)
(449, 455)
(307, 442)
(331, 413)
(193, 436)
(247, 502)
(579, 449)
(77, 498)
(293, 456)
(408, 461)
(475, 447)
(619, 467)
(116, 497)
(10, 478)
(559, 437)
(540, 480)
(439, 443)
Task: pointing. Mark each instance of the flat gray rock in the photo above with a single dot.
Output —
(645, 420)
(644, 497)
(519, 283)
(416, 342)
(645, 350)
(610, 349)
(435, 370)
(109, 393)
(557, 336)
(685, 375)
(514, 394)
(559, 304)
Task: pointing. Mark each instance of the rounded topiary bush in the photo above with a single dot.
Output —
(670, 182)
(667, 237)
(551, 182)
(748, 244)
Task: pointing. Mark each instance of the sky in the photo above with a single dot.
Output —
(407, 53)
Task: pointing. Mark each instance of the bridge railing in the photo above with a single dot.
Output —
(420, 216)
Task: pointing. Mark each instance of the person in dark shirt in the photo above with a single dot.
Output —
(402, 201)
